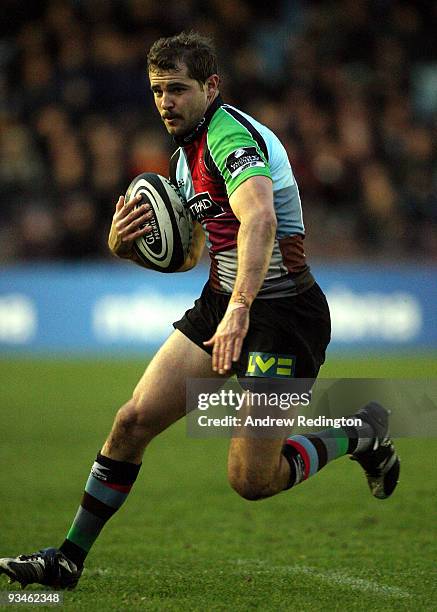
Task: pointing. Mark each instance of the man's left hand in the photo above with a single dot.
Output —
(228, 338)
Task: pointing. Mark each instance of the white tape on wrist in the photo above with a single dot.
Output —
(234, 305)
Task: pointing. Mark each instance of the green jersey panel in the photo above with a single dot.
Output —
(235, 151)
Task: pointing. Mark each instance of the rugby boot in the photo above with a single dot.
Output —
(380, 462)
(48, 566)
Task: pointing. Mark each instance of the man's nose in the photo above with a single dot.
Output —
(167, 101)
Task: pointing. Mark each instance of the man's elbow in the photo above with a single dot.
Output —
(189, 264)
(263, 224)
(268, 223)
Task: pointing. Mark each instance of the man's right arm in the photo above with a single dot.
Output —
(128, 224)
(196, 248)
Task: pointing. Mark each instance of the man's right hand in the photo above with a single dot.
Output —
(128, 225)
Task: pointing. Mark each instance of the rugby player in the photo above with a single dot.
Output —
(260, 308)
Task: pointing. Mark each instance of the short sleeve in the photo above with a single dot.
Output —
(235, 149)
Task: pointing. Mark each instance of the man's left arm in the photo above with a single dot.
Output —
(252, 204)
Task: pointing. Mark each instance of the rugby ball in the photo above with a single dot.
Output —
(164, 248)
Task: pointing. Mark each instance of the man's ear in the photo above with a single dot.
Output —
(212, 83)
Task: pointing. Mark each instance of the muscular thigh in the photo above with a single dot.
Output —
(160, 393)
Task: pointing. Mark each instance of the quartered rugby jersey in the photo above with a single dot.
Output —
(225, 149)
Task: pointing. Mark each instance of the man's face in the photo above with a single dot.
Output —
(180, 100)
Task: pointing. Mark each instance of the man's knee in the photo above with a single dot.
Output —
(247, 485)
(257, 472)
(135, 418)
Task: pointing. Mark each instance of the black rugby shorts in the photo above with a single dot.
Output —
(287, 336)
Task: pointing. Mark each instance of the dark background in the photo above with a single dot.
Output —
(349, 86)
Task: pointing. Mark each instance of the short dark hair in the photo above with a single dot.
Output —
(197, 52)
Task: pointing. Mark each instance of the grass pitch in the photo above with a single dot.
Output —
(184, 541)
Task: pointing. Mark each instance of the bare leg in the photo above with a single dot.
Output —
(256, 466)
(159, 398)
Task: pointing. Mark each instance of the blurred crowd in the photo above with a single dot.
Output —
(350, 86)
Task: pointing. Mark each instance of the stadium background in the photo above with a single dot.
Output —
(351, 89)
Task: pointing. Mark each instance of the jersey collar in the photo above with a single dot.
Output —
(201, 126)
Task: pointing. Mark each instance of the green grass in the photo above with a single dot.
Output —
(184, 541)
